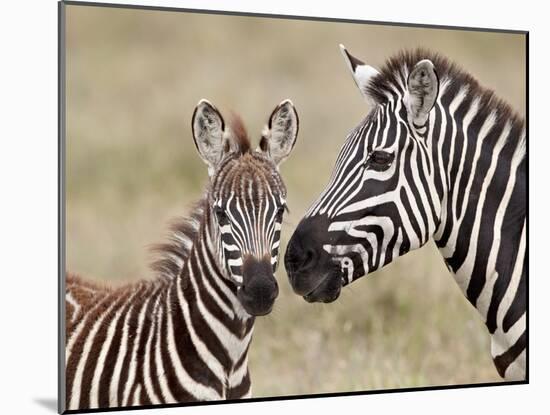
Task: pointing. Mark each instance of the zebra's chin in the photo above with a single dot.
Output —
(328, 289)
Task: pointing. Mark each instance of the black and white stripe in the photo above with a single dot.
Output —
(437, 157)
(166, 341)
(184, 336)
(249, 227)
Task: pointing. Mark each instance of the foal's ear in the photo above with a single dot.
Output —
(362, 73)
(208, 133)
(422, 91)
(279, 135)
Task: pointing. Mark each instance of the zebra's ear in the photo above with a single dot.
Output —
(362, 74)
(279, 135)
(208, 133)
(422, 91)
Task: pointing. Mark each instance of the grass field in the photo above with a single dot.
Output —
(133, 79)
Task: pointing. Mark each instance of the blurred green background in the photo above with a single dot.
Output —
(133, 80)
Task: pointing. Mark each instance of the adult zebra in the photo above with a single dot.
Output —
(184, 336)
(438, 156)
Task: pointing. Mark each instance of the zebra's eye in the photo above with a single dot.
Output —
(220, 215)
(280, 212)
(379, 160)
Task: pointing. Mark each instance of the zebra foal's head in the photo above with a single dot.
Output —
(377, 205)
(246, 197)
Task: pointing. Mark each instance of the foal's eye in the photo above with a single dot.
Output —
(379, 160)
(220, 214)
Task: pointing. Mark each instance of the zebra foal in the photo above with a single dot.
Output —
(184, 336)
(438, 156)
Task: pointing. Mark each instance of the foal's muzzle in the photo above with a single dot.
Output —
(259, 289)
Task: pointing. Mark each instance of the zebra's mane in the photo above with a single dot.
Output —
(173, 253)
(397, 68)
(240, 140)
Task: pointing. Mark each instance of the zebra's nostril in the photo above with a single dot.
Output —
(304, 250)
(301, 260)
(309, 258)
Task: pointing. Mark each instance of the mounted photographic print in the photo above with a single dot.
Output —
(260, 206)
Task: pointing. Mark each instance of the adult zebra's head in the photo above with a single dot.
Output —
(246, 198)
(378, 204)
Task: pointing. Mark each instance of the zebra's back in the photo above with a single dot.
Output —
(99, 323)
(135, 345)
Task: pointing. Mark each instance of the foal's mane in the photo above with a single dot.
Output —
(173, 253)
(238, 134)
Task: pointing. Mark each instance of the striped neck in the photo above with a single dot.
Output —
(211, 318)
(204, 275)
(478, 146)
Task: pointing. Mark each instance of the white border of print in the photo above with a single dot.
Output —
(28, 220)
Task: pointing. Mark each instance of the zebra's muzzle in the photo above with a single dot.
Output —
(312, 271)
(259, 289)
(327, 291)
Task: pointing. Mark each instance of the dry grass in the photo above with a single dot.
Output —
(134, 78)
